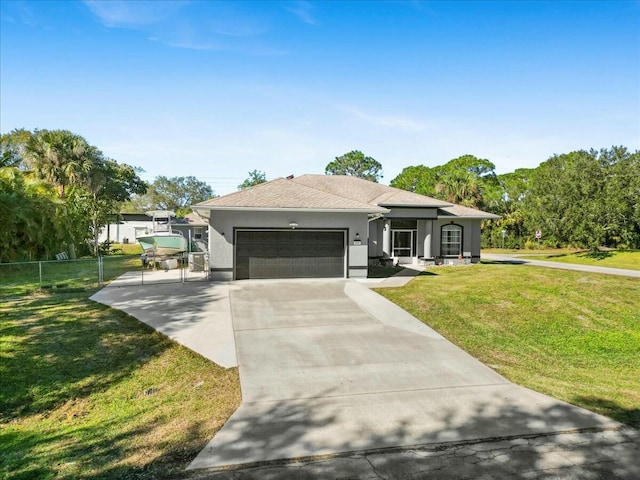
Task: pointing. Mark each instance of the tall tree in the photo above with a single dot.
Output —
(60, 157)
(480, 167)
(459, 186)
(12, 148)
(418, 179)
(31, 217)
(355, 164)
(109, 184)
(567, 199)
(175, 193)
(509, 204)
(87, 185)
(622, 196)
(466, 180)
(256, 177)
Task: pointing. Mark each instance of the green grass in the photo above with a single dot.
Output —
(126, 248)
(89, 392)
(612, 258)
(63, 276)
(571, 335)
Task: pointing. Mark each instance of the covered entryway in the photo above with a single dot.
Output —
(289, 254)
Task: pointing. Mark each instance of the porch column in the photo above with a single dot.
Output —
(427, 238)
(386, 237)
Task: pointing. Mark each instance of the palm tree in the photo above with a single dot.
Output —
(60, 157)
(461, 187)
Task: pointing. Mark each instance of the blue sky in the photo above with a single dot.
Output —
(216, 89)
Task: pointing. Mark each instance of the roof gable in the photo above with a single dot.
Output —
(286, 194)
(367, 191)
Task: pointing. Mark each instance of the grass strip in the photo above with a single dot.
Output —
(627, 259)
(571, 335)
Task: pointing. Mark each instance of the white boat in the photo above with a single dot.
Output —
(162, 240)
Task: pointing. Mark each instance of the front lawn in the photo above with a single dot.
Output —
(608, 258)
(62, 277)
(89, 392)
(571, 335)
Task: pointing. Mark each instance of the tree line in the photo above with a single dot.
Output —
(57, 192)
(586, 198)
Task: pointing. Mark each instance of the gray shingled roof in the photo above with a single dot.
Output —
(368, 192)
(333, 192)
(285, 193)
(461, 211)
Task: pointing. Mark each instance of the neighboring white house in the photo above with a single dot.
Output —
(333, 226)
(131, 225)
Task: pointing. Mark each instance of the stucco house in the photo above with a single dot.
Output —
(333, 226)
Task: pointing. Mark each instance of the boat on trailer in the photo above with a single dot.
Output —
(162, 241)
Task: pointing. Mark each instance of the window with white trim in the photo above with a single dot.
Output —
(451, 240)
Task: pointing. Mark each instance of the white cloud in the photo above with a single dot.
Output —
(304, 11)
(190, 25)
(121, 13)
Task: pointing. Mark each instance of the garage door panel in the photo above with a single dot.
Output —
(289, 254)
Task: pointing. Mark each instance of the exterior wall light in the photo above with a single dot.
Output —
(356, 240)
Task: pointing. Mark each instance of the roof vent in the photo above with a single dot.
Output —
(290, 177)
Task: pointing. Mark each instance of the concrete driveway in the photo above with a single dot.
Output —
(329, 367)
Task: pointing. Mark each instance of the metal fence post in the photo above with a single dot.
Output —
(183, 271)
(40, 274)
(100, 276)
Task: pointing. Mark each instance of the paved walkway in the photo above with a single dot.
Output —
(516, 259)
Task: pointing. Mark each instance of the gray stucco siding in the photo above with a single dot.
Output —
(412, 213)
(470, 235)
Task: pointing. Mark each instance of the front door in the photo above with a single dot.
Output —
(403, 245)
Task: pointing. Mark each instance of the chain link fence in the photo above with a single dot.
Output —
(61, 276)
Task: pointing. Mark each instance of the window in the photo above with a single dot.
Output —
(451, 240)
(403, 243)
